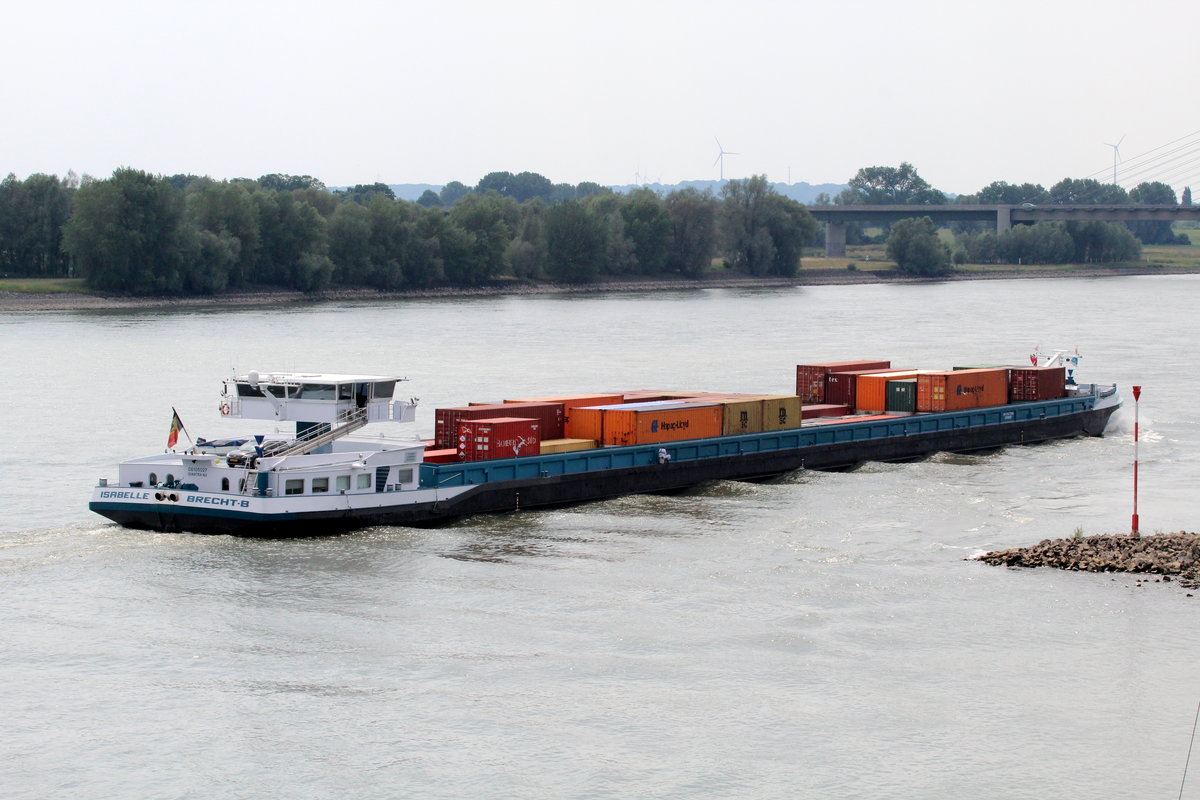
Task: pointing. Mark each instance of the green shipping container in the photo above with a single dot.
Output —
(902, 395)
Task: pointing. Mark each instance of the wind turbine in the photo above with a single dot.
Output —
(721, 153)
(1116, 156)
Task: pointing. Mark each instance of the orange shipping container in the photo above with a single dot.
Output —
(961, 389)
(661, 423)
(871, 392)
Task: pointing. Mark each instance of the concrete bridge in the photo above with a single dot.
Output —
(1002, 216)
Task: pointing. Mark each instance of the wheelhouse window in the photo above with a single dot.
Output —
(316, 391)
(382, 390)
(345, 391)
(246, 390)
(294, 486)
(282, 391)
(320, 485)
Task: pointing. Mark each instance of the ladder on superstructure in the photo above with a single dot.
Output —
(347, 422)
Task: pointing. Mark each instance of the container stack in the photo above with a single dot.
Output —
(810, 378)
(498, 437)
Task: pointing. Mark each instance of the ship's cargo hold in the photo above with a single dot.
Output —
(1036, 383)
(824, 410)
(842, 387)
(810, 378)
(446, 420)
(497, 437)
(870, 393)
(962, 389)
(444, 456)
(549, 446)
(901, 395)
(646, 423)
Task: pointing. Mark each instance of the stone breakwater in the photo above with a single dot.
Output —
(1166, 554)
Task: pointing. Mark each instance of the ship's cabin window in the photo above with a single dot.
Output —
(343, 483)
(320, 485)
(316, 391)
(224, 484)
(294, 486)
(282, 391)
(170, 479)
(364, 481)
(246, 390)
(345, 391)
(403, 476)
(383, 390)
(153, 479)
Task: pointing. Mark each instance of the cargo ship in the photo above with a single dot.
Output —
(329, 476)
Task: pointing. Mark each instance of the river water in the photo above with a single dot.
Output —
(823, 635)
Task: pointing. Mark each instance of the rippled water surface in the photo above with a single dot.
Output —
(821, 635)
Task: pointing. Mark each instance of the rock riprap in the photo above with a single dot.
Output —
(1166, 554)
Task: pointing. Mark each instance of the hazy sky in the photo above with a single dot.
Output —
(429, 92)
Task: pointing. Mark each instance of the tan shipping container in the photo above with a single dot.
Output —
(567, 445)
(962, 389)
(781, 412)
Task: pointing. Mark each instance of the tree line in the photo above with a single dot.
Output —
(146, 234)
(149, 234)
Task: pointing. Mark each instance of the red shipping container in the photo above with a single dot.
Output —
(824, 410)
(446, 420)
(498, 437)
(962, 389)
(810, 378)
(841, 387)
(441, 456)
(1036, 383)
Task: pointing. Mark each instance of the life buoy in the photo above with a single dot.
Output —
(224, 409)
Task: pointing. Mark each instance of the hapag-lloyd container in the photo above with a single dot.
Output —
(957, 390)
(646, 423)
(569, 401)
(446, 420)
(498, 437)
(1036, 383)
(842, 387)
(810, 378)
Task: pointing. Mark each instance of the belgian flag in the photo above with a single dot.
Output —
(176, 427)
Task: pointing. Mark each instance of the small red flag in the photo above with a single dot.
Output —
(176, 427)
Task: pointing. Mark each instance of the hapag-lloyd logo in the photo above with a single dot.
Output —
(960, 389)
(678, 425)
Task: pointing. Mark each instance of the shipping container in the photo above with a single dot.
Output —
(901, 395)
(870, 393)
(824, 410)
(587, 422)
(652, 395)
(957, 390)
(781, 412)
(810, 378)
(444, 456)
(497, 437)
(569, 401)
(566, 445)
(841, 387)
(1036, 383)
(549, 416)
(666, 423)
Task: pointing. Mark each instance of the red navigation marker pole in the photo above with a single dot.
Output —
(1137, 394)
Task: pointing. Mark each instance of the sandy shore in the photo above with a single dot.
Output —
(22, 301)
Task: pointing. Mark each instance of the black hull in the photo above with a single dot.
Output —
(561, 490)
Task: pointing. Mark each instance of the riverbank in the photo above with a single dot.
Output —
(76, 301)
(1163, 554)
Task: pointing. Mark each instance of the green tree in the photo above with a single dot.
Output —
(429, 199)
(287, 183)
(452, 192)
(915, 247)
(891, 186)
(126, 234)
(649, 227)
(489, 220)
(520, 187)
(764, 231)
(1155, 193)
(227, 211)
(1087, 191)
(1187, 196)
(350, 250)
(1103, 242)
(694, 230)
(32, 215)
(1002, 193)
(574, 243)
(1043, 243)
(526, 253)
(289, 230)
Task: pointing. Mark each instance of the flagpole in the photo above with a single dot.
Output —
(182, 427)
